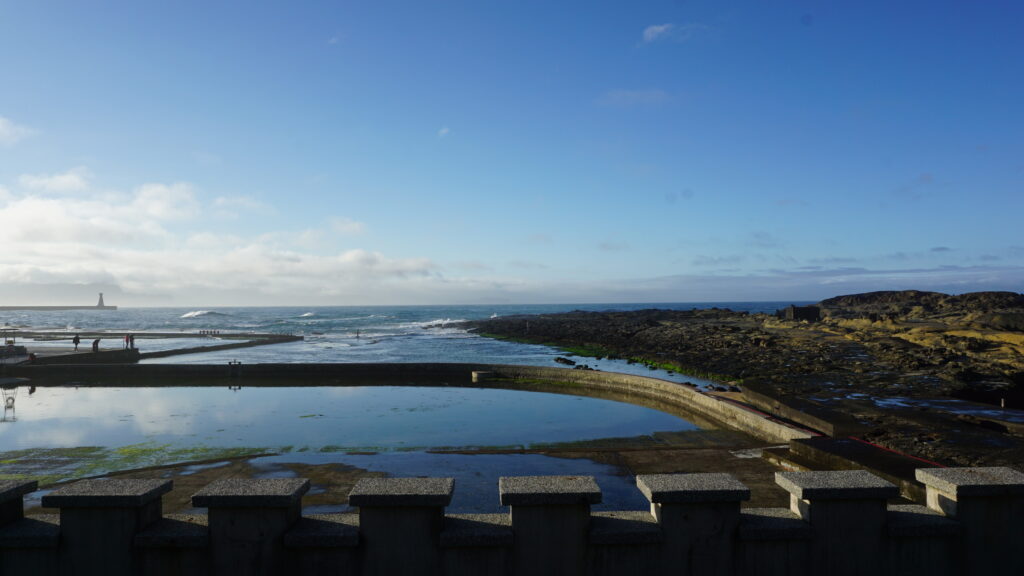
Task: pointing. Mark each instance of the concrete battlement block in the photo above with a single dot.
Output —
(15, 490)
(12, 502)
(627, 527)
(476, 530)
(251, 493)
(548, 490)
(992, 481)
(691, 488)
(176, 531)
(41, 531)
(772, 524)
(904, 520)
(402, 492)
(324, 531)
(107, 493)
(836, 485)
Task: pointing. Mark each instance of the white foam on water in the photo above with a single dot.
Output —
(201, 313)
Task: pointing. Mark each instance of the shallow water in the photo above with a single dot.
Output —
(65, 432)
(476, 475)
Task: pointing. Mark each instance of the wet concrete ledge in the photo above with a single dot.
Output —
(119, 356)
(257, 340)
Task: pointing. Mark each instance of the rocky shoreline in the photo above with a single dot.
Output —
(912, 368)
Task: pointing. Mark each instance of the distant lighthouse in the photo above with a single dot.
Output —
(100, 305)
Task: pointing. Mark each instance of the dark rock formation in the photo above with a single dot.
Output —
(870, 356)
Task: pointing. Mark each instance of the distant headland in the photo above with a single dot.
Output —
(99, 306)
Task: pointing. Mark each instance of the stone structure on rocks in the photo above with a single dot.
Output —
(838, 523)
(792, 312)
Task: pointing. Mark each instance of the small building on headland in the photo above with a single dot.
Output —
(791, 312)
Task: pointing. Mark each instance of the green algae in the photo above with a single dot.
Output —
(596, 351)
(623, 443)
(51, 465)
(686, 371)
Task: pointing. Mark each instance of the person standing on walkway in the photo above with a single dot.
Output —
(131, 342)
(76, 341)
(96, 345)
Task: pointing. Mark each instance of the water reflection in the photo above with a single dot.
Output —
(10, 394)
(332, 419)
(9, 388)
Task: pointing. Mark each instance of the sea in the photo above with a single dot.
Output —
(337, 333)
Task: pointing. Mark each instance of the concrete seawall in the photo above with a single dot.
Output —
(54, 308)
(837, 524)
(637, 389)
(262, 340)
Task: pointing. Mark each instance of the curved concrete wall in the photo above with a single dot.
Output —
(684, 397)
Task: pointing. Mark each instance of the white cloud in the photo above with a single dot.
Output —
(11, 133)
(444, 131)
(652, 33)
(127, 240)
(41, 222)
(230, 206)
(674, 33)
(74, 180)
(166, 202)
(159, 242)
(347, 226)
(212, 241)
(630, 98)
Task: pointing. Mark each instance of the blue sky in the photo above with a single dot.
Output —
(180, 153)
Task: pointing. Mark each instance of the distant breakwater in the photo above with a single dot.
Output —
(54, 308)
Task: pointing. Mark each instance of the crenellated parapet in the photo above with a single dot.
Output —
(838, 523)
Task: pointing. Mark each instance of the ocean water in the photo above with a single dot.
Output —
(342, 333)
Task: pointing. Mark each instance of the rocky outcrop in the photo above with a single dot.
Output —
(866, 357)
(914, 304)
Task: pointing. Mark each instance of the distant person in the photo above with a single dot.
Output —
(131, 342)
(127, 339)
(96, 345)
(76, 341)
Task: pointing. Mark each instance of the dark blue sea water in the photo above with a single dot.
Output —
(342, 333)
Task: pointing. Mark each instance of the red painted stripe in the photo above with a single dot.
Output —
(863, 441)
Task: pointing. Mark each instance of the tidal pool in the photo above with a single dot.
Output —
(61, 433)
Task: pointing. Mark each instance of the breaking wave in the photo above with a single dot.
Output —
(201, 313)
